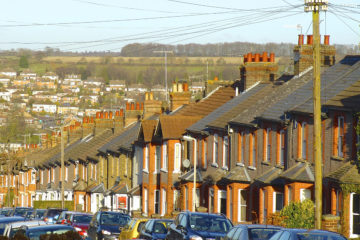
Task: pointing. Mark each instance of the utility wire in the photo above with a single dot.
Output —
(346, 24)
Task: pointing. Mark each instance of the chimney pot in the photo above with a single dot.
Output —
(151, 95)
(174, 87)
(301, 39)
(110, 115)
(245, 58)
(257, 57)
(264, 57)
(97, 115)
(92, 120)
(128, 105)
(180, 87)
(106, 115)
(117, 113)
(137, 106)
(186, 87)
(132, 106)
(121, 114)
(272, 57)
(327, 40)
(84, 120)
(101, 115)
(309, 40)
(142, 106)
(249, 57)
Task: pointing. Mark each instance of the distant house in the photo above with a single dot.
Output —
(45, 96)
(97, 81)
(72, 80)
(5, 95)
(137, 88)
(70, 99)
(29, 75)
(21, 82)
(197, 87)
(9, 73)
(158, 88)
(4, 81)
(116, 85)
(44, 107)
(50, 76)
(67, 109)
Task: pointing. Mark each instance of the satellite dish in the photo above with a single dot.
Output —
(186, 163)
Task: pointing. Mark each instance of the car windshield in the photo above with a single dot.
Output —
(20, 211)
(114, 219)
(318, 236)
(35, 235)
(208, 223)
(2, 228)
(82, 219)
(39, 213)
(52, 213)
(160, 227)
(262, 233)
(5, 211)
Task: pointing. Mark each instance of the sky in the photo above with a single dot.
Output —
(108, 25)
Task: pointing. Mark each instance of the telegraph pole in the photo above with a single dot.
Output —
(62, 166)
(315, 6)
(166, 83)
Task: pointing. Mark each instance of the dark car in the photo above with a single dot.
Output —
(34, 233)
(195, 225)
(6, 220)
(81, 222)
(252, 232)
(20, 211)
(51, 214)
(106, 225)
(64, 217)
(38, 214)
(155, 229)
(303, 234)
(28, 214)
(4, 212)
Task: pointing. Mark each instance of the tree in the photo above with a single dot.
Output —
(23, 62)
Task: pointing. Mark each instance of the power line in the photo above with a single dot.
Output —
(346, 24)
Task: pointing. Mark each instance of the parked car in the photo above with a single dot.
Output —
(106, 225)
(303, 234)
(64, 217)
(132, 229)
(51, 214)
(252, 232)
(5, 211)
(20, 211)
(196, 226)
(81, 222)
(7, 220)
(38, 214)
(34, 233)
(155, 229)
(12, 228)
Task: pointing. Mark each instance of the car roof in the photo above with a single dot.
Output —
(27, 223)
(7, 219)
(120, 213)
(258, 226)
(51, 226)
(204, 214)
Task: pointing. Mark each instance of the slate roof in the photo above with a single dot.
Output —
(226, 111)
(98, 188)
(347, 173)
(174, 126)
(300, 172)
(124, 140)
(238, 174)
(269, 176)
(333, 81)
(189, 176)
(348, 98)
(214, 175)
(206, 105)
(120, 188)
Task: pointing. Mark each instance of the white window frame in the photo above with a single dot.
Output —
(163, 202)
(215, 149)
(176, 196)
(165, 159)
(77, 169)
(95, 172)
(33, 176)
(275, 198)
(211, 199)
(177, 158)
(157, 160)
(52, 175)
(241, 205)
(41, 176)
(289, 196)
(225, 154)
(157, 191)
(351, 217)
(49, 175)
(66, 173)
(302, 194)
(146, 201)
(220, 193)
(146, 164)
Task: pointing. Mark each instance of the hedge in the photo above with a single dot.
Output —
(53, 204)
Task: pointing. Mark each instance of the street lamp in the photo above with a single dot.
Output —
(188, 138)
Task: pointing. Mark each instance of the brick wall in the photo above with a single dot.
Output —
(330, 223)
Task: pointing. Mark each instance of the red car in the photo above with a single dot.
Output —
(81, 222)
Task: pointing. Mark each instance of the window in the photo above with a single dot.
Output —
(76, 169)
(165, 156)
(177, 157)
(242, 205)
(216, 149)
(157, 159)
(305, 194)
(22, 178)
(354, 215)
(264, 203)
(176, 200)
(281, 146)
(146, 163)
(278, 201)
(303, 140)
(337, 202)
(42, 176)
(241, 147)
(66, 173)
(33, 176)
(164, 203)
(186, 198)
(83, 172)
(290, 197)
(156, 201)
(146, 200)
(91, 171)
(339, 137)
(252, 161)
(211, 200)
(49, 175)
(267, 145)
(204, 150)
(222, 202)
(225, 152)
(231, 203)
(197, 198)
(95, 172)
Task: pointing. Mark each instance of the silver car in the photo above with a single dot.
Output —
(12, 228)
